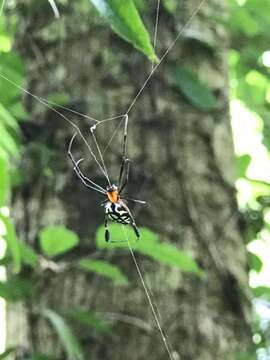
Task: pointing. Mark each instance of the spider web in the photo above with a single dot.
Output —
(97, 122)
(98, 153)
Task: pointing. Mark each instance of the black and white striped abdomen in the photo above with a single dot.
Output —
(117, 212)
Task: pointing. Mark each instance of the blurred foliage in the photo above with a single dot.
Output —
(12, 242)
(56, 240)
(105, 269)
(149, 245)
(243, 163)
(6, 353)
(193, 89)
(248, 25)
(65, 333)
(91, 320)
(249, 54)
(16, 288)
(125, 20)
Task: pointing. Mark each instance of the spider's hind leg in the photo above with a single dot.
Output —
(136, 230)
(107, 233)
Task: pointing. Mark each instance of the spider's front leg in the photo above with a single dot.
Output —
(124, 169)
(107, 233)
(86, 182)
(122, 184)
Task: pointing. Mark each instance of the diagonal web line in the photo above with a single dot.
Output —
(147, 79)
(102, 166)
(147, 293)
(81, 114)
(195, 12)
(60, 114)
(113, 135)
(156, 29)
(92, 129)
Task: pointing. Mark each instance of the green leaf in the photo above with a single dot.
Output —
(264, 200)
(262, 291)
(243, 162)
(7, 142)
(125, 20)
(9, 351)
(18, 111)
(12, 243)
(149, 245)
(89, 319)
(241, 20)
(105, 269)
(39, 356)
(6, 260)
(245, 356)
(170, 5)
(193, 89)
(28, 255)
(4, 181)
(169, 255)
(66, 336)
(118, 236)
(15, 289)
(12, 68)
(140, 4)
(56, 240)
(256, 87)
(7, 118)
(255, 263)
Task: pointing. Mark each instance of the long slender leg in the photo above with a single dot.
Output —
(142, 202)
(133, 223)
(123, 185)
(85, 180)
(103, 202)
(124, 153)
(107, 233)
(136, 230)
(123, 162)
(79, 173)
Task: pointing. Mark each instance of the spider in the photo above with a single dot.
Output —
(115, 207)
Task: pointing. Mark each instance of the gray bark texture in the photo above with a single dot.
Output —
(182, 165)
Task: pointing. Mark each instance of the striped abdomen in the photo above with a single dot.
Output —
(117, 212)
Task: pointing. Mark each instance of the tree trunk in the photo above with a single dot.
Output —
(182, 165)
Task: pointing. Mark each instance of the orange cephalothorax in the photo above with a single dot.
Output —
(113, 196)
(112, 193)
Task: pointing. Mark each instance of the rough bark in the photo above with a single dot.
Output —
(182, 165)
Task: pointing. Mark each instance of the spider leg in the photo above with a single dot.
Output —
(133, 223)
(142, 202)
(123, 163)
(107, 233)
(136, 230)
(123, 185)
(124, 153)
(79, 173)
(85, 180)
(103, 202)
